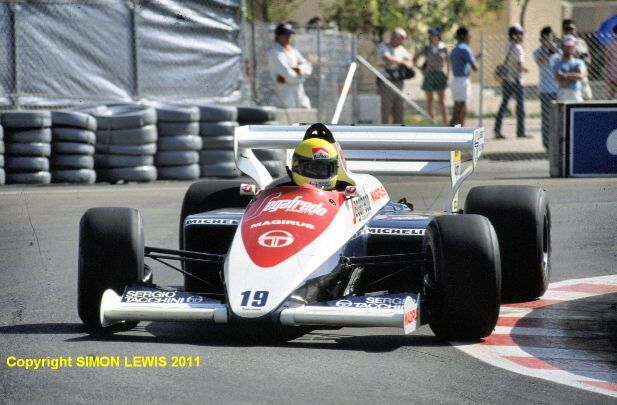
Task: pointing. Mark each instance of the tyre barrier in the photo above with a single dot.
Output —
(73, 136)
(177, 155)
(26, 147)
(216, 158)
(128, 142)
(126, 139)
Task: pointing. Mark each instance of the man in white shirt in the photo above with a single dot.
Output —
(392, 54)
(288, 70)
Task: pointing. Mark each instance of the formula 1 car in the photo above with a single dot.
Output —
(295, 257)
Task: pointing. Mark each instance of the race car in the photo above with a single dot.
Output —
(275, 254)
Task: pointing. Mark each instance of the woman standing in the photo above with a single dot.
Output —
(436, 71)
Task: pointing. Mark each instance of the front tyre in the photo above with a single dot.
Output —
(463, 282)
(111, 256)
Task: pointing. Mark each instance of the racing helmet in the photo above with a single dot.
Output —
(315, 161)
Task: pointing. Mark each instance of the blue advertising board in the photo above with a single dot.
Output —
(593, 140)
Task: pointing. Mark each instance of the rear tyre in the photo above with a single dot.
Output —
(463, 284)
(522, 219)
(206, 196)
(111, 255)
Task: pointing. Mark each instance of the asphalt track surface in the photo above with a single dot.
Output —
(38, 269)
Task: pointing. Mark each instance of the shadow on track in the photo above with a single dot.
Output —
(227, 335)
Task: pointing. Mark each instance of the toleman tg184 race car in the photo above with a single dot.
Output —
(298, 257)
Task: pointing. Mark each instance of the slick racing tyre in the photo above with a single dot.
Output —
(63, 162)
(60, 134)
(463, 282)
(522, 219)
(111, 256)
(206, 196)
(26, 164)
(41, 177)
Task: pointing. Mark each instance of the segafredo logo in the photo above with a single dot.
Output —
(296, 205)
(276, 239)
(320, 152)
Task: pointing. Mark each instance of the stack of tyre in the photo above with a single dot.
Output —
(27, 146)
(2, 173)
(72, 147)
(126, 139)
(216, 127)
(179, 143)
(272, 159)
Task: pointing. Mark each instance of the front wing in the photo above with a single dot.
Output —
(139, 303)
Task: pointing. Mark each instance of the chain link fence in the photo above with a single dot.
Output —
(598, 51)
(330, 52)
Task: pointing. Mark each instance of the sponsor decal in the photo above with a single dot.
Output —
(360, 207)
(152, 296)
(211, 221)
(410, 315)
(378, 193)
(402, 217)
(276, 239)
(320, 152)
(296, 205)
(283, 222)
(396, 231)
(296, 216)
(379, 302)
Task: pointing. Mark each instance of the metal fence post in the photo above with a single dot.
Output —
(319, 109)
(481, 74)
(15, 79)
(133, 4)
(355, 100)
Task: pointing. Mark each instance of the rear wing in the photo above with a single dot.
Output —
(394, 150)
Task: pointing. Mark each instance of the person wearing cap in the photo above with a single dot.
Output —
(582, 52)
(288, 69)
(463, 61)
(546, 56)
(512, 82)
(392, 55)
(569, 72)
(436, 71)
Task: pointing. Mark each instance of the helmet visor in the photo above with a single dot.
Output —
(315, 169)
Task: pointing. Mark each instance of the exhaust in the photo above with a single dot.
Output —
(113, 311)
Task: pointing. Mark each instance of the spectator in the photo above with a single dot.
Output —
(611, 68)
(435, 61)
(546, 56)
(582, 52)
(463, 61)
(288, 70)
(569, 72)
(512, 82)
(392, 55)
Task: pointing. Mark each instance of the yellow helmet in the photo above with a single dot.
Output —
(315, 161)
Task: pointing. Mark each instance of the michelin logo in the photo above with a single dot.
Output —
(211, 221)
(396, 231)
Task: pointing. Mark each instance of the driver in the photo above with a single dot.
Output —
(315, 162)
